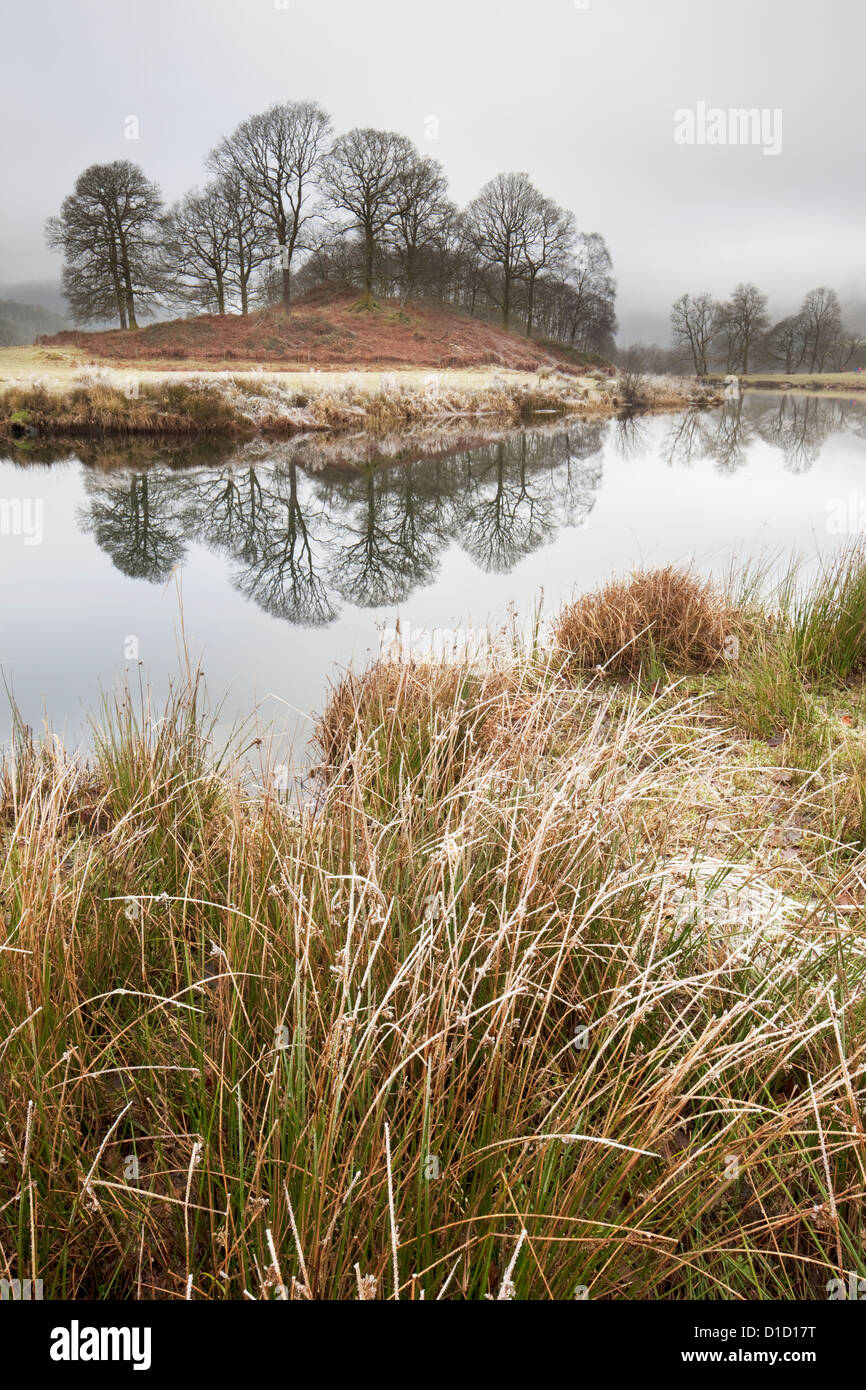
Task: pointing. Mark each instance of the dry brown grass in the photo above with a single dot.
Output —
(250, 1050)
(326, 330)
(103, 402)
(102, 409)
(657, 618)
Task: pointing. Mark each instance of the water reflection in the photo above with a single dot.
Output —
(797, 425)
(307, 527)
(300, 541)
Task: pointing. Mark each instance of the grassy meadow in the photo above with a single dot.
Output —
(552, 988)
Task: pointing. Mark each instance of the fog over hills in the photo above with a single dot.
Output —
(44, 294)
(20, 323)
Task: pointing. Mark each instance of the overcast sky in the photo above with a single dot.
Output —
(583, 98)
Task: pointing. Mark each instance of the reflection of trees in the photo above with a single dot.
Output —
(799, 426)
(502, 518)
(300, 541)
(576, 476)
(796, 425)
(630, 436)
(722, 436)
(730, 434)
(138, 519)
(386, 540)
(283, 578)
(685, 440)
(230, 511)
(256, 517)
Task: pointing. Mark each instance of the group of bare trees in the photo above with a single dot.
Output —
(288, 205)
(736, 335)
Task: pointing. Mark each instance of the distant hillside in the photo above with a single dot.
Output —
(21, 323)
(45, 294)
(326, 329)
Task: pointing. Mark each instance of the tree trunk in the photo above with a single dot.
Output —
(127, 281)
(530, 306)
(369, 248)
(119, 296)
(287, 287)
(129, 296)
(410, 273)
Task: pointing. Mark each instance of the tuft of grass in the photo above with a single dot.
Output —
(827, 622)
(655, 619)
(797, 641)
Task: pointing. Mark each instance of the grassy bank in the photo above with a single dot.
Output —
(104, 404)
(842, 383)
(554, 990)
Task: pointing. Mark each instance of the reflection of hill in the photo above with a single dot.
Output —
(302, 537)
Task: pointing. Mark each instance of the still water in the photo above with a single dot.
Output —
(285, 564)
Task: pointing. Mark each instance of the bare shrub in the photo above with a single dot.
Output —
(658, 617)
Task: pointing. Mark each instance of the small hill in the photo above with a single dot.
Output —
(20, 323)
(328, 330)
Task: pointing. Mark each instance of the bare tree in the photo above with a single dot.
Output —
(364, 175)
(468, 264)
(743, 322)
(421, 204)
(197, 246)
(842, 348)
(695, 322)
(276, 155)
(786, 343)
(590, 293)
(249, 242)
(548, 236)
(822, 325)
(108, 232)
(499, 220)
(633, 367)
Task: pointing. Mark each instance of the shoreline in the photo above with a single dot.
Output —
(836, 383)
(110, 403)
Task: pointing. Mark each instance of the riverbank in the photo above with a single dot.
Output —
(106, 404)
(837, 383)
(552, 987)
